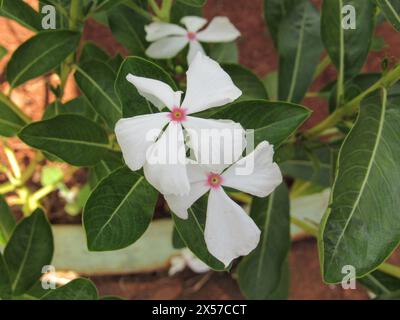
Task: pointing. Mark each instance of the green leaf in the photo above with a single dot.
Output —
(96, 80)
(78, 289)
(177, 241)
(270, 82)
(271, 121)
(380, 283)
(299, 48)
(225, 52)
(77, 106)
(40, 54)
(7, 221)
(391, 10)
(90, 51)
(274, 12)
(180, 10)
(128, 28)
(194, 3)
(347, 48)
(191, 232)
(3, 52)
(5, 282)
(103, 169)
(132, 102)
(315, 166)
(11, 118)
(21, 12)
(29, 249)
(260, 272)
(364, 202)
(72, 138)
(247, 81)
(51, 175)
(118, 211)
(103, 5)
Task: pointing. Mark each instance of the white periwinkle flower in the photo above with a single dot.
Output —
(169, 39)
(229, 231)
(208, 86)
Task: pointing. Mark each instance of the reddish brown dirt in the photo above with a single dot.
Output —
(257, 53)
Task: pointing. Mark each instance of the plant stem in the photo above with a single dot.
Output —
(154, 6)
(75, 15)
(166, 10)
(16, 170)
(322, 66)
(390, 269)
(309, 228)
(139, 10)
(352, 106)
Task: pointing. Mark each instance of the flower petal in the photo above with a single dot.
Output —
(180, 204)
(194, 48)
(157, 92)
(220, 29)
(159, 30)
(165, 167)
(193, 23)
(166, 48)
(135, 135)
(208, 85)
(256, 173)
(229, 231)
(215, 143)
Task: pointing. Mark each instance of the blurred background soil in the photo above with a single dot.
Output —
(257, 53)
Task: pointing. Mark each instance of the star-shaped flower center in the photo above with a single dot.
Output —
(178, 114)
(214, 180)
(191, 36)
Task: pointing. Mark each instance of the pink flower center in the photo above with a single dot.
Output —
(177, 114)
(191, 36)
(214, 180)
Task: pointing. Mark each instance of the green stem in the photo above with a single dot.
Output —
(166, 10)
(139, 10)
(154, 6)
(322, 66)
(390, 269)
(352, 106)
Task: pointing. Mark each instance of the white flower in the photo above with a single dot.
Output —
(169, 39)
(208, 86)
(187, 259)
(229, 231)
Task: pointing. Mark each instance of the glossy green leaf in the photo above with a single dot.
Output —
(225, 52)
(72, 138)
(194, 3)
(29, 249)
(361, 226)
(348, 48)
(90, 51)
(260, 272)
(128, 28)
(21, 12)
(274, 12)
(380, 283)
(271, 121)
(315, 166)
(5, 282)
(177, 241)
(191, 232)
(103, 5)
(78, 289)
(7, 221)
(118, 211)
(251, 86)
(103, 169)
(11, 118)
(391, 10)
(40, 54)
(132, 102)
(77, 106)
(299, 48)
(96, 80)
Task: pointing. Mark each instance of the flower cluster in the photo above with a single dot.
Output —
(182, 162)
